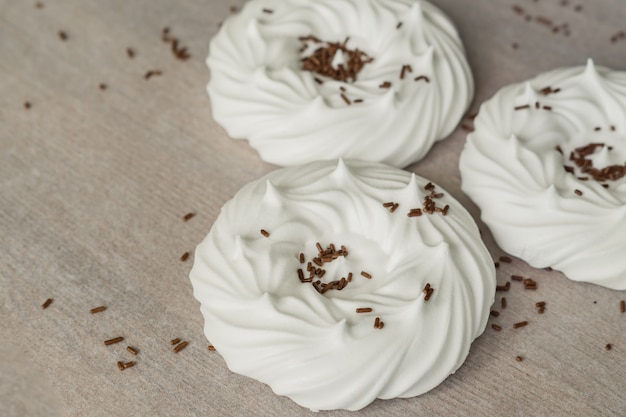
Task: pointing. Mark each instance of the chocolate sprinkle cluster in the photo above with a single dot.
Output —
(314, 268)
(579, 157)
(320, 61)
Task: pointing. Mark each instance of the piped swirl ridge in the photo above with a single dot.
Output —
(416, 288)
(546, 166)
(404, 81)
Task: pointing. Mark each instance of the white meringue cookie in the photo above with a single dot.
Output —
(315, 347)
(513, 171)
(260, 92)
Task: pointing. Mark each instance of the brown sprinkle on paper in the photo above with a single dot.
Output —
(113, 341)
(188, 216)
(608, 346)
(180, 346)
(622, 306)
(265, 233)
(520, 324)
(175, 341)
(184, 257)
(211, 348)
(518, 358)
(366, 275)
(62, 35)
(46, 303)
(496, 327)
(97, 309)
(132, 350)
(152, 73)
(364, 310)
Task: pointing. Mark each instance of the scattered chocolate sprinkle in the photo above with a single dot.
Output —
(608, 346)
(120, 365)
(525, 106)
(386, 84)
(62, 35)
(265, 233)
(517, 9)
(548, 108)
(180, 346)
(622, 306)
(175, 341)
(132, 350)
(188, 216)
(97, 309)
(530, 284)
(399, 25)
(517, 278)
(152, 73)
(578, 192)
(211, 348)
(301, 258)
(541, 310)
(518, 358)
(394, 207)
(496, 264)
(503, 287)
(376, 322)
(520, 324)
(321, 60)
(422, 77)
(597, 129)
(129, 364)
(358, 100)
(46, 304)
(268, 11)
(404, 70)
(113, 341)
(503, 302)
(494, 313)
(345, 99)
(27, 105)
(102, 86)
(184, 256)
(540, 304)
(543, 20)
(496, 327)
(537, 105)
(366, 275)
(130, 52)
(428, 291)
(414, 212)
(364, 310)
(505, 259)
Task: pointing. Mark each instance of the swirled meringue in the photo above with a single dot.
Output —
(313, 346)
(259, 90)
(519, 167)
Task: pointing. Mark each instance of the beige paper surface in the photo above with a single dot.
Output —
(94, 184)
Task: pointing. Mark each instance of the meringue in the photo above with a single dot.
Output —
(403, 294)
(410, 82)
(545, 164)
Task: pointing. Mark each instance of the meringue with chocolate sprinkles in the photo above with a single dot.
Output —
(551, 185)
(334, 339)
(319, 80)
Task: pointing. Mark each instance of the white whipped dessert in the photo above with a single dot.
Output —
(546, 166)
(377, 80)
(406, 284)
